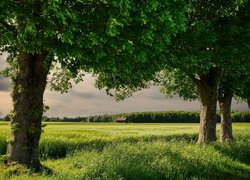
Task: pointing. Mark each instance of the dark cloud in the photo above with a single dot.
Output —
(4, 84)
(105, 112)
(156, 96)
(84, 95)
(67, 110)
(84, 100)
(57, 107)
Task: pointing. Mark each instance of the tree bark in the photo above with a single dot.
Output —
(27, 95)
(248, 102)
(226, 121)
(208, 86)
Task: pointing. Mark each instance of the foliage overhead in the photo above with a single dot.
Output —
(87, 34)
(217, 35)
(232, 81)
(177, 83)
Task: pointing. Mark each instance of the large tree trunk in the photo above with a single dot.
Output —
(208, 86)
(226, 122)
(27, 94)
(248, 102)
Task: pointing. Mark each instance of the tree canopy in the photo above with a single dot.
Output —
(217, 35)
(91, 33)
(91, 36)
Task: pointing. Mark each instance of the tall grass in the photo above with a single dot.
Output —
(132, 151)
(61, 139)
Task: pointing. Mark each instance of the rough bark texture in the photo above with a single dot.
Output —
(225, 102)
(208, 86)
(28, 89)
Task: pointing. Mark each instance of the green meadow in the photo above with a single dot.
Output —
(133, 151)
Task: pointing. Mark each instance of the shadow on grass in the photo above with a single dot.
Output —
(238, 150)
(8, 170)
(164, 161)
(195, 168)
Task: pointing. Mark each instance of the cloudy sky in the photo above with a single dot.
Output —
(84, 100)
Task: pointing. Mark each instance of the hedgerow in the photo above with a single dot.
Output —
(150, 117)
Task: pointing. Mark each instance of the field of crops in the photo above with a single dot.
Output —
(133, 151)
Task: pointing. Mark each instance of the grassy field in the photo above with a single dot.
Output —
(133, 151)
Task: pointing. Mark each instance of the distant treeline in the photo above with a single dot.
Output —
(148, 117)
(152, 117)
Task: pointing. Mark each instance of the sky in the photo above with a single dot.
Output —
(85, 100)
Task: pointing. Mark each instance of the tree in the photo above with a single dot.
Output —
(232, 83)
(85, 34)
(217, 32)
(227, 89)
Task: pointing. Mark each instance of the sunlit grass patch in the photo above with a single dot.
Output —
(150, 160)
(134, 151)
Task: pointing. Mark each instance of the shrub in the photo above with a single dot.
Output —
(163, 117)
(241, 116)
(64, 119)
(151, 117)
(100, 118)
